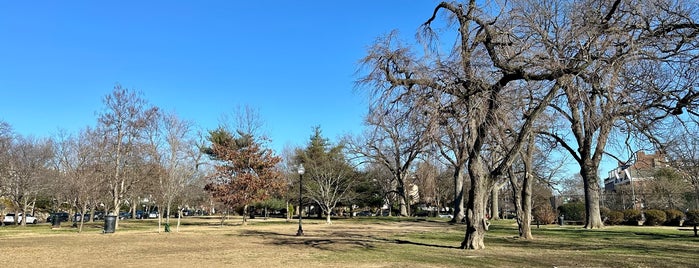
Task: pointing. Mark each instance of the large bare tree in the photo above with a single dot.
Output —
(121, 124)
(635, 55)
(494, 54)
(394, 139)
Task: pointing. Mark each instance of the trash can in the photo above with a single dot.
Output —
(55, 221)
(560, 220)
(109, 224)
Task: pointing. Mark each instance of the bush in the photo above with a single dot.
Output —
(604, 212)
(674, 217)
(655, 217)
(615, 217)
(544, 214)
(632, 216)
(572, 211)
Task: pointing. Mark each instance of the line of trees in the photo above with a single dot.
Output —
(136, 154)
(498, 82)
(498, 95)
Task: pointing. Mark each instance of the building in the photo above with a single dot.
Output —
(634, 176)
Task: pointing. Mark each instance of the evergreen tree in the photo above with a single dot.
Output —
(246, 172)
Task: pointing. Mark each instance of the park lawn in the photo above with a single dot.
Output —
(363, 242)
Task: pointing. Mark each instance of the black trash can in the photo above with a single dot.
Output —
(109, 224)
(560, 220)
(55, 221)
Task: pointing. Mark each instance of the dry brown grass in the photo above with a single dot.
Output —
(347, 243)
(269, 243)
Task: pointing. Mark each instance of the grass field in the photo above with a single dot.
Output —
(368, 242)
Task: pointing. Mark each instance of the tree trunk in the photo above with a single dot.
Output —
(402, 196)
(476, 224)
(116, 202)
(458, 196)
(327, 218)
(160, 219)
(525, 228)
(179, 214)
(82, 212)
(245, 214)
(593, 219)
(495, 201)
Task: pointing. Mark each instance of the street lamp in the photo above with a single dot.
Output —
(301, 170)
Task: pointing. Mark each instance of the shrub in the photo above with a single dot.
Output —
(674, 217)
(692, 220)
(572, 211)
(655, 217)
(615, 217)
(632, 216)
(604, 212)
(544, 214)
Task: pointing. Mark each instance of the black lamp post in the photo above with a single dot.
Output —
(301, 170)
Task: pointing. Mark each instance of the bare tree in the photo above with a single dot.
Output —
(122, 123)
(330, 174)
(630, 51)
(30, 160)
(492, 56)
(172, 149)
(683, 153)
(6, 137)
(449, 132)
(394, 140)
(77, 159)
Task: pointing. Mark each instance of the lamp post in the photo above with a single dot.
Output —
(301, 170)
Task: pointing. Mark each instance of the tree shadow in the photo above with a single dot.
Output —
(334, 241)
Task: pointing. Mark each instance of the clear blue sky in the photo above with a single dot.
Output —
(294, 61)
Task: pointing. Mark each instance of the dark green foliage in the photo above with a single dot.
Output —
(674, 217)
(615, 217)
(632, 216)
(655, 217)
(574, 211)
(692, 218)
(604, 212)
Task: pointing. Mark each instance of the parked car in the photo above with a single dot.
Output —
(446, 216)
(124, 215)
(62, 216)
(10, 218)
(364, 213)
(152, 214)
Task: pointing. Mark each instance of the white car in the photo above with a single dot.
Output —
(447, 216)
(10, 219)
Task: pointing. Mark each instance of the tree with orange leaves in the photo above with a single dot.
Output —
(246, 171)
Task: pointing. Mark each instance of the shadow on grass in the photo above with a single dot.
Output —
(639, 241)
(334, 240)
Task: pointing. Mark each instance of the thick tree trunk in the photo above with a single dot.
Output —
(458, 196)
(327, 218)
(593, 219)
(476, 223)
(116, 202)
(403, 199)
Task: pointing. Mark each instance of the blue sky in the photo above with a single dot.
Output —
(294, 61)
